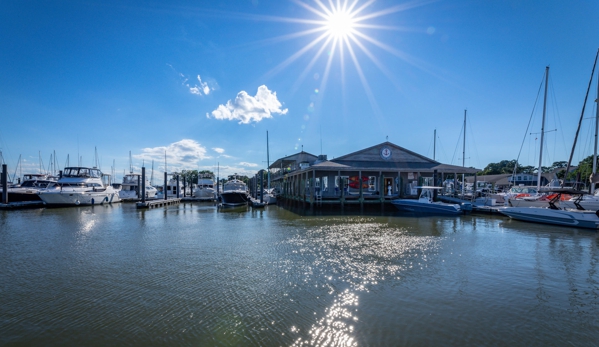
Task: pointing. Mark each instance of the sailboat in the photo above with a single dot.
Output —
(267, 195)
(535, 199)
(553, 214)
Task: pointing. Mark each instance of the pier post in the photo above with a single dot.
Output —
(178, 186)
(143, 185)
(164, 190)
(361, 191)
(342, 186)
(261, 186)
(4, 184)
(138, 186)
(435, 191)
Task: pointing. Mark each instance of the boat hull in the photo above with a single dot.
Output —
(579, 219)
(206, 194)
(70, 198)
(415, 206)
(234, 198)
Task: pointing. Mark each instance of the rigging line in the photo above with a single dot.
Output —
(529, 120)
(559, 119)
(457, 144)
(472, 140)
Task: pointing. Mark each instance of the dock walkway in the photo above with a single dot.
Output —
(158, 203)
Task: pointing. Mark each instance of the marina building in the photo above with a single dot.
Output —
(374, 175)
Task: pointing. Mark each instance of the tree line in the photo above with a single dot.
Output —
(582, 171)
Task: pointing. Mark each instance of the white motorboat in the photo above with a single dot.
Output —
(587, 202)
(172, 188)
(425, 204)
(555, 215)
(234, 192)
(80, 186)
(205, 190)
(269, 197)
(29, 188)
(131, 186)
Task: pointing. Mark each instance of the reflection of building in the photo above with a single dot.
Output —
(381, 172)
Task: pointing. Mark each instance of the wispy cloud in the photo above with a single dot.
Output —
(218, 150)
(246, 108)
(200, 88)
(243, 163)
(181, 155)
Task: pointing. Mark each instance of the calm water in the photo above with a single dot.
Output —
(195, 275)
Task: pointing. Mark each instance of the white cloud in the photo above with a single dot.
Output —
(247, 109)
(202, 89)
(181, 155)
(243, 163)
(218, 150)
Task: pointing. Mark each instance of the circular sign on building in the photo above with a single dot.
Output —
(386, 153)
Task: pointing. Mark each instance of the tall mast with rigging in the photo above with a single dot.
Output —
(542, 130)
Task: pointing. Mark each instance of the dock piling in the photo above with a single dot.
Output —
(143, 184)
(4, 184)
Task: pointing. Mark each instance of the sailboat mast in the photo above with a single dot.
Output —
(435, 146)
(268, 162)
(543, 129)
(596, 131)
(464, 156)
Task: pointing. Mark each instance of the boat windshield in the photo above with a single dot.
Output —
(81, 172)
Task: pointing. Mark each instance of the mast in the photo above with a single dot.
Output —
(130, 164)
(435, 145)
(464, 156)
(542, 129)
(268, 162)
(596, 131)
(152, 174)
(581, 117)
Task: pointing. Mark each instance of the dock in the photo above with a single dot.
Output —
(19, 205)
(158, 203)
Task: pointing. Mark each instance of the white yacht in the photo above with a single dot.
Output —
(130, 188)
(28, 189)
(80, 186)
(205, 188)
(234, 192)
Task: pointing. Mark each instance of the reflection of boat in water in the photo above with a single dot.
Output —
(234, 192)
(425, 204)
(80, 186)
(130, 187)
(29, 189)
(205, 188)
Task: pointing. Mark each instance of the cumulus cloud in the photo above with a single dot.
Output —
(218, 150)
(181, 155)
(243, 163)
(246, 108)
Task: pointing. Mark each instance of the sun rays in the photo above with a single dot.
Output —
(342, 32)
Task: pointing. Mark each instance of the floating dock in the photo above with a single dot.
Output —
(158, 203)
(19, 205)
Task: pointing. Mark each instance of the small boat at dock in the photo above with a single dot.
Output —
(425, 204)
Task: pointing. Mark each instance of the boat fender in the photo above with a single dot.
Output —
(77, 202)
(93, 201)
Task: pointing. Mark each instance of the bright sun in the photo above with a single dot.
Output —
(340, 24)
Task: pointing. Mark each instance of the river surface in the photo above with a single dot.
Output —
(194, 275)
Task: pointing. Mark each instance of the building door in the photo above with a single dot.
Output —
(389, 186)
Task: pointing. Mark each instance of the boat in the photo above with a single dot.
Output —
(130, 187)
(80, 186)
(556, 215)
(234, 192)
(425, 203)
(205, 190)
(172, 188)
(268, 196)
(28, 190)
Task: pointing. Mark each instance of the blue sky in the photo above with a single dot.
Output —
(205, 80)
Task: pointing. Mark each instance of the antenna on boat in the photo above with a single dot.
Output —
(130, 164)
(435, 145)
(152, 174)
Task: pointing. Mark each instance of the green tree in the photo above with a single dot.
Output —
(584, 169)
